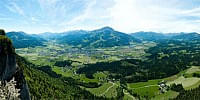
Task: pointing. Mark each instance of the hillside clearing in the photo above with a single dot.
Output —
(186, 82)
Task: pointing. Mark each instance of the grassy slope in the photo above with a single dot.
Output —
(111, 92)
(166, 96)
(185, 78)
(150, 88)
(107, 90)
(100, 90)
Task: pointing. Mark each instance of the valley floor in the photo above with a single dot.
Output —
(47, 56)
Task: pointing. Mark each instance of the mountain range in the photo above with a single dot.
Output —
(103, 37)
(23, 40)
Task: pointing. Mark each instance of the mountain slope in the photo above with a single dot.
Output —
(53, 36)
(23, 40)
(48, 35)
(187, 37)
(153, 36)
(104, 37)
(42, 86)
(149, 36)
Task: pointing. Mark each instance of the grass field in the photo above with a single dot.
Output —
(193, 86)
(127, 96)
(186, 82)
(193, 69)
(166, 96)
(186, 79)
(150, 91)
(143, 84)
(149, 88)
(66, 73)
(190, 71)
(107, 89)
(112, 92)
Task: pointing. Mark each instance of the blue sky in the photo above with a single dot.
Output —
(37, 16)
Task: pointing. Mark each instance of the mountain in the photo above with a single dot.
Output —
(48, 35)
(53, 36)
(187, 37)
(153, 36)
(23, 40)
(75, 32)
(104, 37)
(149, 36)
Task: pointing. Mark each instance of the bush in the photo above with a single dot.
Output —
(177, 87)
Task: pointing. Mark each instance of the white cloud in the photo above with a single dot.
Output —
(96, 14)
(83, 16)
(13, 7)
(122, 15)
(192, 12)
(152, 15)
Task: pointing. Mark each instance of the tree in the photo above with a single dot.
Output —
(2, 32)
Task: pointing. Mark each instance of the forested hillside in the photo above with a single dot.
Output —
(166, 59)
(104, 37)
(189, 94)
(43, 86)
(23, 40)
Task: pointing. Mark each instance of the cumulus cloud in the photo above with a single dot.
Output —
(123, 15)
(153, 15)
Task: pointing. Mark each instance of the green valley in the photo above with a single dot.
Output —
(99, 50)
(147, 70)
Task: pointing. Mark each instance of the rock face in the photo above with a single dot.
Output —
(9, 68)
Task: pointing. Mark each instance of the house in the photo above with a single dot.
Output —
(163, 87)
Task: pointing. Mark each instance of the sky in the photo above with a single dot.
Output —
(38, 16)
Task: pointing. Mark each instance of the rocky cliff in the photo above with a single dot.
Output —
(11, 76)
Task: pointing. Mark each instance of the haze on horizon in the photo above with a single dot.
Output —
(37, 16)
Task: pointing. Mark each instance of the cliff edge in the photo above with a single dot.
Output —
(12, 81)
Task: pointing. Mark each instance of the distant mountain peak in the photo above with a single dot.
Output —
(194, 33)
(19, 32)
(107, 28)
(24, 40)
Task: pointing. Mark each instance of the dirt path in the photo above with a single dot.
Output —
(108, 89)
(133, 98)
